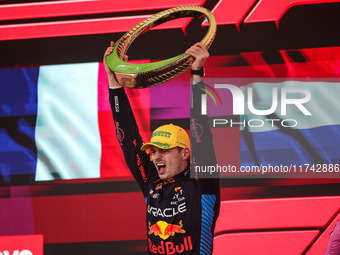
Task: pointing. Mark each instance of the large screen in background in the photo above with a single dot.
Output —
(56, 120)
(55, 116)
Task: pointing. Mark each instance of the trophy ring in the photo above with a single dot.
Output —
(131, 75)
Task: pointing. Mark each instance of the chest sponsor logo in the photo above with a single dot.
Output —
(171, 180)
(154, 195)
(164, 229)
(159, 186)
(170, 247)
(167, 212)
(178, 197)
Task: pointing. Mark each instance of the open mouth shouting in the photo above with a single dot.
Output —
(161, 167)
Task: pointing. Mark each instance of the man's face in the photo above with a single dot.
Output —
(169, 162)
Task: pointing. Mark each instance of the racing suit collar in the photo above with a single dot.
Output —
(178, 177)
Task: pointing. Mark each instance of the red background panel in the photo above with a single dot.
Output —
(272, 11)
(231, 12)
(24, 244)
(90, 218)
(79, 27)
(320, 244)
(68, 8)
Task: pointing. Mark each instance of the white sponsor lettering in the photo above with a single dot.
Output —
(16, 252)
(167, 212)
(116, 104)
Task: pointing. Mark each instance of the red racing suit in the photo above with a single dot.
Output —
(181, 211)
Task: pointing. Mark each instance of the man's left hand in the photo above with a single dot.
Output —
(200, 53)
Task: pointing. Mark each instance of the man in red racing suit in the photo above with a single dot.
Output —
(181, 211)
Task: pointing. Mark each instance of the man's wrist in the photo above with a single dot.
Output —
(197, 75)
(199, 72)
(113, 82)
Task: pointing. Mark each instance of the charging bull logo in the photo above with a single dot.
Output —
(164, 230)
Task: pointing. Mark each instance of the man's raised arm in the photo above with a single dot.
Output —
(126, 129)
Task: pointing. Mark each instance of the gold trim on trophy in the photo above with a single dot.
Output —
(147, 75)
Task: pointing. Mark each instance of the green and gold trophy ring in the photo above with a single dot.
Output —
(131, 75)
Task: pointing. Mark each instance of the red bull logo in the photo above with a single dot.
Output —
(164, 229)
(170, 247)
